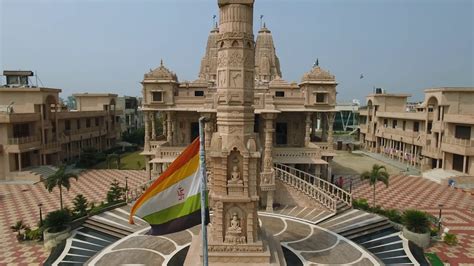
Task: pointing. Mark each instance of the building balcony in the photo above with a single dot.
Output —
(396, 134)
(363, 112)
(403, 115)
(19, 117)
(459, 119)
(432, 152)
(163, 153)
(51, 147)
(85, 133)
(298, 155)
(458, 146)
(23, 144)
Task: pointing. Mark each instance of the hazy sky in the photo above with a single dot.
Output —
(107, 45)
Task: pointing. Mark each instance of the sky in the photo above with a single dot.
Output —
(403, 46)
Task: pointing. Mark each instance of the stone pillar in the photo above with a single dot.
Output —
(163, 121)
(147, 167)
(307, 137)
(266, 177)
(169, 127)
(147, 131)
(19, 161)
(464, 165)
(153, 126)
(330, 117)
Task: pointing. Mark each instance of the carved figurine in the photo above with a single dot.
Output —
(235, 176)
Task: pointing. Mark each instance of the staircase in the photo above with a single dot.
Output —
(375, 233)
(98, 232)
(327, 194)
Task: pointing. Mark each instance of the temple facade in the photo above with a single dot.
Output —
(281, 116)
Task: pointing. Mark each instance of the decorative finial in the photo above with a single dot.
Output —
(264, 25)
(261, 20)
(161, 62)
(316, 63)
(214, 20)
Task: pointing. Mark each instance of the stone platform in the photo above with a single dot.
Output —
(310, 243)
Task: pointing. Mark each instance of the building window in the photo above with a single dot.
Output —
(385, 122)
(416, 126)
(67, 125)
(78, 123)
(394, 123)
(430, 126)
(157, 96)
(256, 124)
(404, 125)
(279, 94)
(320, 97)
(198, 93)
(281, 132)
(462, 132)
(96, 121)
(88, 122)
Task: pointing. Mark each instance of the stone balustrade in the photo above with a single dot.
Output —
(23, 140)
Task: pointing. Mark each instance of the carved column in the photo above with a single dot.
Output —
(267, 179)
(330, 117)
(307, 137)
(169, 128)
(153, 126)
(163, 122)
(147, 131)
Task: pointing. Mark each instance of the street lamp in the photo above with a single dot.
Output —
(41, 214)
(439, 218)
(126, 189)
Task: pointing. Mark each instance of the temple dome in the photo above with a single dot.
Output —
(318, 74)
(161, 72)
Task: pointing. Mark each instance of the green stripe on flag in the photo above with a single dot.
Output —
(190, 205)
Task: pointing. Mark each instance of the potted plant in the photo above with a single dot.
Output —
(416, 227)
(57, 228)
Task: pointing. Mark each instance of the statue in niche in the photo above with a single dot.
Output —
(234, 231)
(235, 176)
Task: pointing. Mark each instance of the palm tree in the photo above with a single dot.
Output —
(19, 227)
(59, 179)
(378, 173)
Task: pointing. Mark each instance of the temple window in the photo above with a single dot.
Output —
(157, 96)
(198, 93)
(279, 94)
(320, 97)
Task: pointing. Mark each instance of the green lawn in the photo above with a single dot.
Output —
(128, 161)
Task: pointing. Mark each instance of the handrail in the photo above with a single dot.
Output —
(23, 140)
(309, 189)
(322, 184)
(134, 193)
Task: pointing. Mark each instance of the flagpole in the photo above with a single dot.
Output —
(202, 158)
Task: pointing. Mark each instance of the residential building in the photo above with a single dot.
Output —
(36, 130)
(131, 117)
(438, 133)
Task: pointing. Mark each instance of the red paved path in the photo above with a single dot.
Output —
(406, 192)
(20, 202)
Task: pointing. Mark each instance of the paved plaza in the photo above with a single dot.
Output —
(405, 192)
(19, 202)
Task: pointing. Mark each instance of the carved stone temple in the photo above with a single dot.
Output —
(257, 120)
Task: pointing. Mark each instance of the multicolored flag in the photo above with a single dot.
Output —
(173, 202)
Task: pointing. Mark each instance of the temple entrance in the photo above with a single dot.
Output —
(194, 131)
(281, 131)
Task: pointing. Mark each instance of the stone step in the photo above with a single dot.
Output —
(356, 229)
(109, 228)
(104, 230)
(368, 231)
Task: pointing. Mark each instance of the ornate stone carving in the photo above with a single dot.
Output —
(234, 231)
(235, 59)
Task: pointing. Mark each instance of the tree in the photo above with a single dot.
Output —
(57, 220)
(59, 179)
(89, 157)
(416, 221)
(80, 205)
(71, 103)
(19, 227)
(116, 193)
(378, 173)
